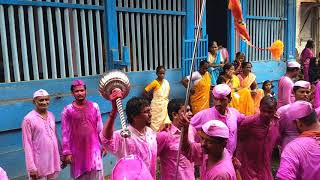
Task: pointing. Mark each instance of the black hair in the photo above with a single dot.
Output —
(292, 69)
(134, 107)
(269, 102)
(265, 84)
(221, 80)
(310, 44)
(73, 86)
(203, 62)
(174, 105)
(159, 68)
(310, 119)
(238, 54)
(213, 42)
(245, 63)
(227, 67)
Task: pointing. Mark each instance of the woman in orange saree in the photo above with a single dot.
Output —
(200, 92)
(250, 94)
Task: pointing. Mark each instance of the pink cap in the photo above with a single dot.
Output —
(40, 92)
(303, 84)
(78, 82)
(294, 64)
(299, 109)
(216, 128)
(221, 91)
(3, 174)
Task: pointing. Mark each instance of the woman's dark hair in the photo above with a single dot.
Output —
(245, 63)
(213, 42)
(310, 44)
(134, 107)
(159, 68)
(203, 62)
(314, 70)
(310, 119)
(238, 54)
(265, 84)
(174, 105)
(221, 80)
(227, 67)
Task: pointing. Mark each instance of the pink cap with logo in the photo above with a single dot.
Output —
(216, 128)
(294, 64)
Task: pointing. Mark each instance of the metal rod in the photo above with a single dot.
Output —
(189, 83)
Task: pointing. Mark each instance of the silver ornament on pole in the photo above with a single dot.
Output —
(116, 80)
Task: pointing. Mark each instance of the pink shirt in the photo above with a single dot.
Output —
(285, 95)
(40, 143)
(287, 126)
(300, 160)
(3, 174)
(256, 141)
(230, 119)
(168, 145)
(143, 145)
(221, 170)
(80, 137)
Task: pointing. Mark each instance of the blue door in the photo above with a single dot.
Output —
(268, 21)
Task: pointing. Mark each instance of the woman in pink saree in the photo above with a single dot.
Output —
(305, 58)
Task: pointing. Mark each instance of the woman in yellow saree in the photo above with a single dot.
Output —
(233, 81)
(200, 92)
(250, 95)
(160, 99)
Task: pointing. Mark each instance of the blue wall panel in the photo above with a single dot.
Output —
(16, 102)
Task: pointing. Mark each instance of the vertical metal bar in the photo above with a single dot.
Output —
(138, 23)
(179, 34)
(24, 51)
(151, 59)
(68, 40)
(60, 43)
(51, 43)
(165, 36)
(5, 56)
(42, 43)
(170, 59)
(144, 38)
(126, 4)
(175, 59)
(160, 34)
(99, 40)
(84, 40)
(91, 39)
(33, 44)
(76, 39)
(121, 33)
(133, 32)
(13, 42)
(155, 35)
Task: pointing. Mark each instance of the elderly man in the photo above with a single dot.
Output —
(81, 126)
(300, 158)
(39, 139)
(286, 84)
(258, 135)
(211, 154)
(221, 112)
(288, 129)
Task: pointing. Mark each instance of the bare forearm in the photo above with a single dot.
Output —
(108, 127)
(185, 82)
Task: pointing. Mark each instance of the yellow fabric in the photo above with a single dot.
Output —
(200, 99)
(159, 103)
(248, 104)
(235, 97)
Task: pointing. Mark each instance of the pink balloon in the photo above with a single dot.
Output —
(130, 168)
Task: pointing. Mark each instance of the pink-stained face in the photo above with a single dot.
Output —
(79, 93)
(42, 102)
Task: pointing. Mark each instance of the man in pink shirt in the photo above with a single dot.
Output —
(257, 136)
(39, 139)
(287, 126)
(300, 158)
(221, 111)
(81, 126)
(142, 142)
(286, 84)
(211, 154)
(168, 144)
